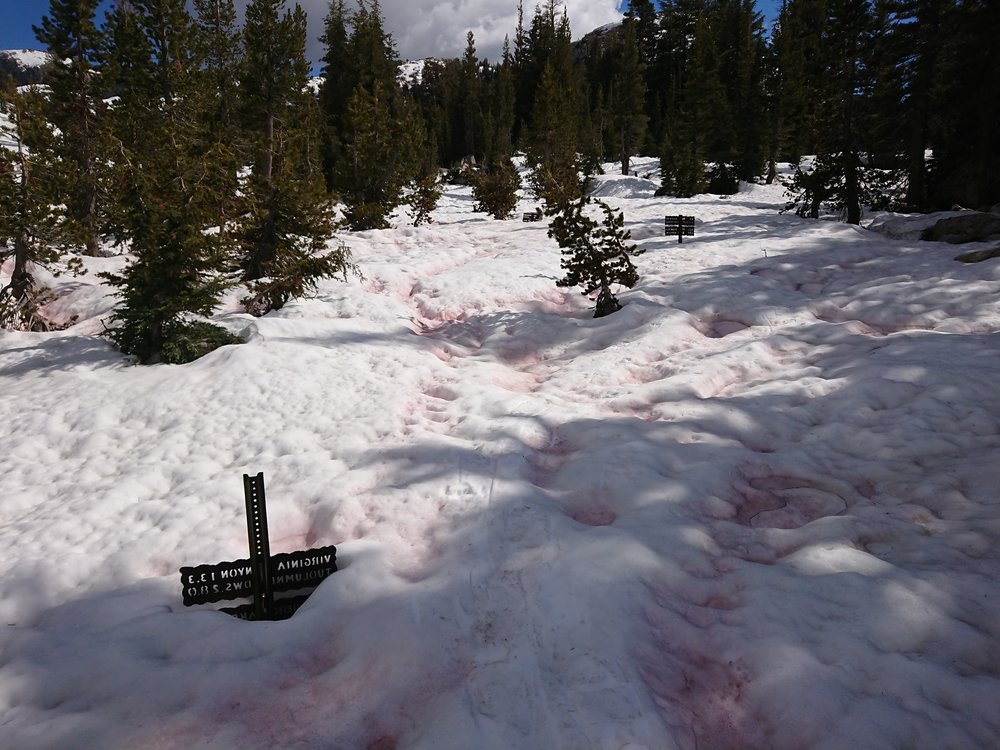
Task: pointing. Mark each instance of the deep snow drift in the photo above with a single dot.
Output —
(756, 508)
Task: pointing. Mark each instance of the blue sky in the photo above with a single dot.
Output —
(17, 19)
(420, 27)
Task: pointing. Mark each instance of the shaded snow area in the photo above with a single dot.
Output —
(755, 509)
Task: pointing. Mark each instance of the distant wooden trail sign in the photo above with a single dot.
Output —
(262, 574)
(682, 226)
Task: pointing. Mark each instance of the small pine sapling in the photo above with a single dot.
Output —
(424, 198)
(495, 188)
(595, 255)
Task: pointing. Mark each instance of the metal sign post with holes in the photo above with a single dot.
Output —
(260, 552)
(262, 574)
(682, 226)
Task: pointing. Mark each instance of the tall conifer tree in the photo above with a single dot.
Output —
(76, 109)
(221, 137)
(167, 201)
(629, 96)
(27, 219)
(964, 111)
(285, 231)
(376, 143)
(551, 144)
(846, 51)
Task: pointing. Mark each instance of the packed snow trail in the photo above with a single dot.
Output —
(756, 508)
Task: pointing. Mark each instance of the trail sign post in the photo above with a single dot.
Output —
(261, 575)
(682, 226)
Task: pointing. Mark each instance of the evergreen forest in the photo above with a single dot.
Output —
(206, 148)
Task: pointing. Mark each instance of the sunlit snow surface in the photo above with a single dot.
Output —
(756, 508)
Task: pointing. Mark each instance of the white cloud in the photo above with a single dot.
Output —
(431, 28)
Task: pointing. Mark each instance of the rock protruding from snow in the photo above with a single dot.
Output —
(909, 227)
(968, 226)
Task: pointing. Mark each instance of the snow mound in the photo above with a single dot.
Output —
(619, 186)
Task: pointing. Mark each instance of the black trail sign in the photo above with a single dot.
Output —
(261, 574)
(682, 226)
(204, 584)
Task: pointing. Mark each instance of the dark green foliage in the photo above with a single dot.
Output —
(379, 158)
(425, 188)
(845, 116)
(795, 79)
(682, 166)
(847, 129)
(296, 273)
(371, 50)
(169, 191)
(284, 232)
(470, 113)
(75, 106)
(495, 187)
(221, 136)
(964, 104)
(192, 340)
(596, 255)
(500, 101)
(337, 81)
(702, 113)
(374, 133)
(358, 53)
(811, 189)
(628, 95)
(552, 133)
(175, 275)
(424, 199)
(27, 220)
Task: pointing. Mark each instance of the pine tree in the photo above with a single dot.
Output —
(551, 146)
(337, 85)
(167, 204)
(700, 114)
(501, 107)
(76, 109)
(27, 220)
(797, 79)
(424, 198)
(739, 40)
(846, 47)
(470, 110)
(629, 94)
(221, 138)
(642, 14)
(376, 141)
(285, 232)
(371, 50)
(377, 161)
(964, 107)
(425, 190)
(596, 255)
(357, 52)
(494, 188)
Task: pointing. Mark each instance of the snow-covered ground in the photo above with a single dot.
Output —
(755, 509)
